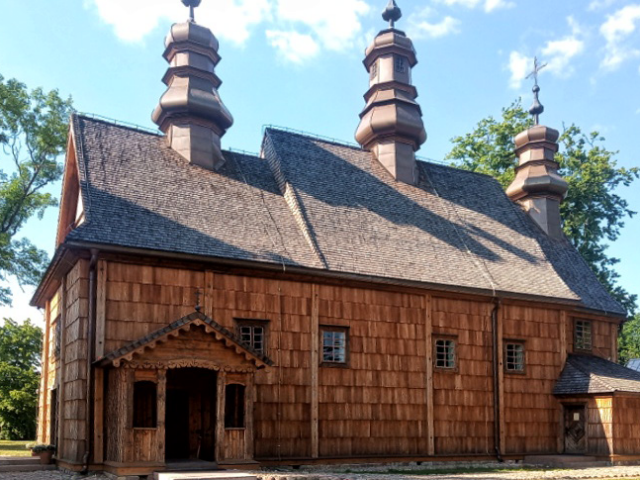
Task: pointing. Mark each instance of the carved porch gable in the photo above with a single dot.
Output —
(192, 341)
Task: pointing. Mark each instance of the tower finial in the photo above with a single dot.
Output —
(392, 13)
(536, 108)
(192, 4)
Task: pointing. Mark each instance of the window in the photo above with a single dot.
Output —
(234, 406)
(445, 353)
(583, 335)
(57, 337)
(374, 70)
(144, 405)
(253, 334)
(399, 63)
(334, 346)
(514, 357)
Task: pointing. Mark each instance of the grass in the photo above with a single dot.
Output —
(15, 448)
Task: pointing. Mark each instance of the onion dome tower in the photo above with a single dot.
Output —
(391, 122)
(538, 186)
(191, 113)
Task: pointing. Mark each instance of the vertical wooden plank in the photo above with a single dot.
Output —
(98, 429)
(162, 402)
(220, 441)
(128, 415)
(315, 362)
(62, 368)
(563, 339)
(614, 342)
(248, 430)
(101, 308)
(500, 347)
(44, 383)
(428, 335)
(208, 293)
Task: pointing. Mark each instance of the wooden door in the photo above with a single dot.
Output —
(575, 429)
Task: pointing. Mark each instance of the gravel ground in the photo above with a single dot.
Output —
(356, 473)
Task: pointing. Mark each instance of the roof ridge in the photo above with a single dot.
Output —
(117, 123)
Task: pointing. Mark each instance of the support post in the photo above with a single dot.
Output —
(101, 308)
(315, 362)
(248, 422)
(222, 382)
(62, 371)
(162, 407)
(98, 429)
(428, 338)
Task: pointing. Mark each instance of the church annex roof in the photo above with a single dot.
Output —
(320, 205)
(585, 374)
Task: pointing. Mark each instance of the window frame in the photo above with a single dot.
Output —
(334, 329)
(582, 348)
(445, 338)
(505, 363)
(253, 322)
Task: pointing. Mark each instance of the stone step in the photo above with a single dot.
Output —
(565, 461)
(19, 460)
(214, 475)
(26, 468)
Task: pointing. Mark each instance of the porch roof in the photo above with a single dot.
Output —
(586, 374)
(196, 318)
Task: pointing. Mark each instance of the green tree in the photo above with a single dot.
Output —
(33, 134)
(593, 213)
(629, 340)
(20, 346)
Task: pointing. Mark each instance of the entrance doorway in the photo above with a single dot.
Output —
(190, 414)
(575, 429)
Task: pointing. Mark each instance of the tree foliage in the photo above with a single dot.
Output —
(33, 134)
(20, 346)
(629, 340)
(593, 213)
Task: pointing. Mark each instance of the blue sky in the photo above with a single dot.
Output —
(298, 63)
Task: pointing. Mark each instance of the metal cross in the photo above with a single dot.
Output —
(192, 4)
(536, 69)
(198, 294)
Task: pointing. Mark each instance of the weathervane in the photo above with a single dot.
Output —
(392, 13)
(192, 4)
(537, 108)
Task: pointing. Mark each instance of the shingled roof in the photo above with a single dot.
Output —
(585, 374)
(321, 205)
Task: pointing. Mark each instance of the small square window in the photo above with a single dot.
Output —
(399, 64)
(445, 353)
(514, 357)
(253, 334)
(374, 70)
(334, 346)
(583, 337)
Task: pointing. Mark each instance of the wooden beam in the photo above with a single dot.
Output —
(98, 413)
(315, 362)
(564, 320)
(45, 412)
(162, 408)
(249, 435)
(428, 338)
(500, 347)
(101, 308)
(63, 367)
(614, 342)
(222, 381)
(208, 293)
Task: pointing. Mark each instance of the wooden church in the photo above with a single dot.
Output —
(319, 302)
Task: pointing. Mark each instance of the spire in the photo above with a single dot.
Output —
(392, 13)
(190, 112)
(391, 122)
(537, 186)
(536, 108)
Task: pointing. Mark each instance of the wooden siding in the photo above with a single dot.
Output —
(389, 401)
(600, 426)
(626, 429)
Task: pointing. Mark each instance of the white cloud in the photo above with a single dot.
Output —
(616, 30)
(559, 53)
(600, 4)
(296, 28)
(229, 19)
(487, 5)
(420, 25)
(519, 66)
(293, 46)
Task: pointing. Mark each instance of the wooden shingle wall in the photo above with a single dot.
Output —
(463, 398)
(75, 369)
(626, 428)
(599, 426)
(531, 411)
